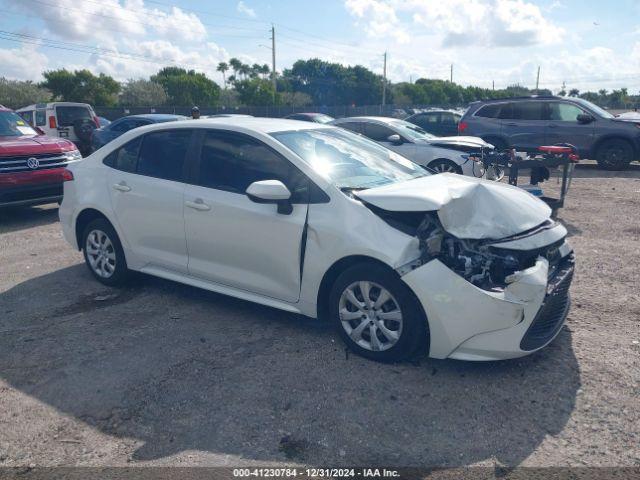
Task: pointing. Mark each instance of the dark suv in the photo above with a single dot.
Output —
(525, 123)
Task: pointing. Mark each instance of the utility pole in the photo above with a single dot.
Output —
(538, 80)
(493, 84)
(384, 81)
(451, 75)
(273, 61)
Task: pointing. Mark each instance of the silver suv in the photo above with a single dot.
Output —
(529, 122)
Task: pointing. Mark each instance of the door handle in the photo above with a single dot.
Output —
(511, 124)
(122, 187)
(552, 125)
(198, 204)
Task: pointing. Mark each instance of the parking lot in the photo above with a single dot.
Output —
(165, 374)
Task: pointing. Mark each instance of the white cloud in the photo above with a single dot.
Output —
(493, 23)
(243, 8)
(159, 53)
(109, 19)
(23, 63)
(378, 17)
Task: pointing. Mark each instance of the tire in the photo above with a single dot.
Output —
(108, 264)
(410, 332)
(443, 165)
(614, 154)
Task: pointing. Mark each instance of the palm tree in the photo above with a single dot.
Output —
(244, 70)
(223, 67)
(265, 70)
(235, 65)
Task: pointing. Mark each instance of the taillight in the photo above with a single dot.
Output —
(52, 122)
(462, 126)
(67, 175)
(96, 121)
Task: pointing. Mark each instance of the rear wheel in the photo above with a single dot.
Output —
(445, 166)
(103, 253)
(614, 154)
(376, 314)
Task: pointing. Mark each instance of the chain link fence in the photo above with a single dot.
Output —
(338, 111)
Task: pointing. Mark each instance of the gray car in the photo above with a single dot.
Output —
(526, 123)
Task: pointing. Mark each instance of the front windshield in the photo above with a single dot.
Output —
(411, 131)
(594, 108)
(13, 125)
(347, 160)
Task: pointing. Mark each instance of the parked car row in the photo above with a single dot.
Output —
(525, 123)
(318, 220)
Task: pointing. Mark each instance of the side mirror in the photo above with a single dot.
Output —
(271, 191)
(395, 139)
(584, 118)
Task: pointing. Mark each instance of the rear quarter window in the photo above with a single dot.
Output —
(489, 111)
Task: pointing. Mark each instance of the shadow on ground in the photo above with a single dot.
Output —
(20, 218)
(183, 369)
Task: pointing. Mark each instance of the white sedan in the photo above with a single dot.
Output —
(458, 154)
(316, 220)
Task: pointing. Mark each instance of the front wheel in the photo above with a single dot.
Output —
(445, 166)
(376, 314)
(614, 154)
(103, 253)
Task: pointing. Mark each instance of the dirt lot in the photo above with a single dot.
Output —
(166, 374)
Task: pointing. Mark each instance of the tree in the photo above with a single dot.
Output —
(235, 65)
(82, 86)
(142, 93)
(15, 93)
(255, 92)
(187, 88)
(574, 92)
(223, 67)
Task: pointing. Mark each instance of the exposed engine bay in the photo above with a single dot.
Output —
(480, 262)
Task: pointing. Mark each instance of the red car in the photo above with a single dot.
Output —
(32, 165)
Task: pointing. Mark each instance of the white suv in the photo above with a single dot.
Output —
(319, 221)
(69, 120)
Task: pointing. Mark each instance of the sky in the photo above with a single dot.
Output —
(588, 45)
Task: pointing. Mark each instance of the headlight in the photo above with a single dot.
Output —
(73, 155)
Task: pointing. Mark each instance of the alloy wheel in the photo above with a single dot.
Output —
(370, 316)
(101, 253)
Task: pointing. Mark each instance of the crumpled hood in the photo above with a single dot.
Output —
(467, 207)
(461, 141)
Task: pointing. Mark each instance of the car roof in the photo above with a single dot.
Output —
(5, 109)
(35, 106)
(368, 119)
(308, 114)
(258, 124)
(156, 116)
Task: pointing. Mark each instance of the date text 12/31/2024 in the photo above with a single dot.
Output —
(315, 472)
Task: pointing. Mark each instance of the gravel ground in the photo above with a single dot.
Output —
(166, 374)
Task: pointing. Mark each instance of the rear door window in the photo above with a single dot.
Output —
(353, 126)
(126, 157)
(67, 115)
(528, 111)
(379, 133)
(163, 154)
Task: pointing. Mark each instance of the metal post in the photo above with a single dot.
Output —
(273, 62)
(384, 81)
